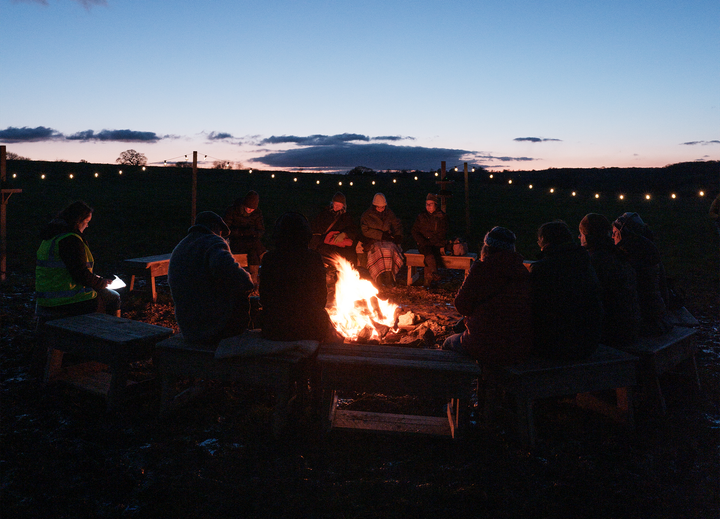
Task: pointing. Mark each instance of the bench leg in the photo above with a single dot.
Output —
(152, 288)
(53, 365)
(525, 420)
(118, 384)
(131, 286)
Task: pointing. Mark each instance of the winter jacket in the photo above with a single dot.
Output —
(430, 229)
(244, 227)
(381, 225)
(340, 222)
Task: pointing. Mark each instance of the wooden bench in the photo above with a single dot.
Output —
(395, 370)
(606, 369)
(414, 259)
(155, 266)
(661, 354)
(100, 340)
(284, 374)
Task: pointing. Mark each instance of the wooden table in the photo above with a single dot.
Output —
(396, 370)
(99, 338)
(155, 266)
(414, 259)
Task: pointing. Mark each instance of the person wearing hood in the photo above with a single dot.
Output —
(293, 293)
(430, 233)
(566, 297)
(495, 300)
(245, 220)
(209, 289)
(64, 277)
(382, 235)
(335, 232)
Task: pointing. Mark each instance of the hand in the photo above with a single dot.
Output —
(106, 282)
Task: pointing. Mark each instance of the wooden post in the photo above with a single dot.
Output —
(443, 203)
(467, 203)
(193, 211)
(6, 193)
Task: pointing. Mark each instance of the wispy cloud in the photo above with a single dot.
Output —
(25, 134)
(327, 140)
(219, 136)
(87, 4)
(535, 139)
(115, 135)
(700, 143)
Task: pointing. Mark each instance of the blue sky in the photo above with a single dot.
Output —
(391, 84)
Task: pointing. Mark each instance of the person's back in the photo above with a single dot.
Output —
(566, 296)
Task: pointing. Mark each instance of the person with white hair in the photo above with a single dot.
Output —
(383, 234)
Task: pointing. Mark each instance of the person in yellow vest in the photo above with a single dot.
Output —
(64, 278)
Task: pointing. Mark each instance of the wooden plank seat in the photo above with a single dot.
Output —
(414, 259)
(536, 378)
(101, 341)
(156, 266)
(395, 370)
(285, 373)
(658, 355)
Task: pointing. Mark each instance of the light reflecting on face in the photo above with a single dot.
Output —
(338, 206)
(380, 208)
(617, 235)
(430, 206)
(82, 225)
(583, 240)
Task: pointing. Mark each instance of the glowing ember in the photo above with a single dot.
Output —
(358, 314)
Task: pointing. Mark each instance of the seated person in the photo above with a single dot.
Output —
(634, 240)
(566, 297)
(293, 293)
(617, 279)
(209, 289)
(382, 236)
(334, 232)
(430, 234)
(495, 300)
(64, 278)
(246, 225)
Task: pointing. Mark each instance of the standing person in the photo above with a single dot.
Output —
(382, 232)
(566, 297)
(715, 212)
(209, 289)
(634, 239)
(335, 232)
(495, 300)
(621, 322)
(246, 225)
(64, 278)
(430, 233)
(293, 293)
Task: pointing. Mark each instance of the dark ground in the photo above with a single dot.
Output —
(64, 457)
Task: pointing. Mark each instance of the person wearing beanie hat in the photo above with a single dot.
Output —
(382, 234)
(496, 304)
(293, 293)
(430, 233)
(247, 227)
(634, 240)
(209, 289)
(566, 296)
(621, 320)
(335, 232)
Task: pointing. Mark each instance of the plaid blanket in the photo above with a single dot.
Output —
(384, 256)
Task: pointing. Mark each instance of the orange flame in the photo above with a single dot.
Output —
(357, 312)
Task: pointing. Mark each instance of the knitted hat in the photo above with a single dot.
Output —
(339, 197)
(555, 233)
(379, 199)
(212, 221)
(433, 197)
(595, 225)
(500, 238)
(251, 200)
(292, 230)
(631, 222)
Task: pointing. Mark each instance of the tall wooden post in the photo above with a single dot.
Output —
(193, 211)
(467, 202)
(6, 193)
(444, 193)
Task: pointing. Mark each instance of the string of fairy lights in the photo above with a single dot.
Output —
(350, 183)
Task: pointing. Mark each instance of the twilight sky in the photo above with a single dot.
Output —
(387, 84)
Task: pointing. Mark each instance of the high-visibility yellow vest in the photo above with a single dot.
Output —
(53, 284)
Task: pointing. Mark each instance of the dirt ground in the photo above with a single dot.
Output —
(63, 456)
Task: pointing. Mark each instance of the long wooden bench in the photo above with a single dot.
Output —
(661, 354)
(414, 259)
(285, 374)
(606, 369)
(156, 266)
(394, 370)
(100, 340)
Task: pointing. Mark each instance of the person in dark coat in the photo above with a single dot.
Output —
(335, 232)
(64, 277)
(293, 293)
(430, 233)
(382, 235)
(245, 221)
(634, 239)
(566, 297)
(209, 289)
(495, 300)
(621, 323)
